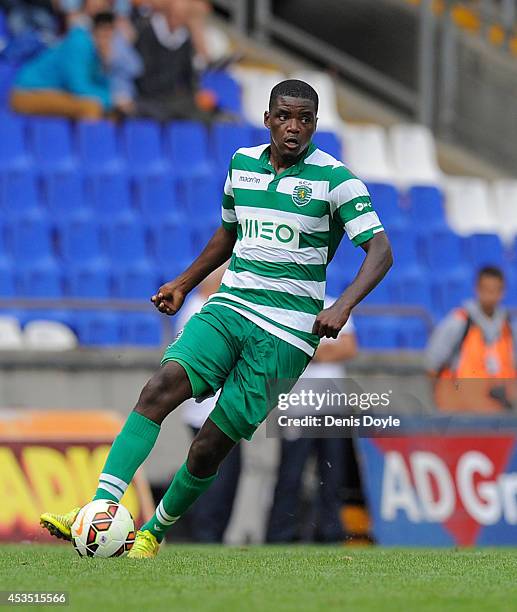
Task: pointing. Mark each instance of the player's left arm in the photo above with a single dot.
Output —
(351, 205)
(377, 262)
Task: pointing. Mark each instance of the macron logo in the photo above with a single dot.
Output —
(249, 179)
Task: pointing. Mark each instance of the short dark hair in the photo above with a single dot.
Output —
(103, 19)
(294, 88)
(492, 271)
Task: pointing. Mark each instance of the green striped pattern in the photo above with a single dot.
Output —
(288, 226)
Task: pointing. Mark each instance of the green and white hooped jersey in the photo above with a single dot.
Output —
(289, 226)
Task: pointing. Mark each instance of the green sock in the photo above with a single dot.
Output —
(181, 494)
(129, 450)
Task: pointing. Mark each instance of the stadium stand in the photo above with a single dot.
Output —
(100, 231)
(106, 211)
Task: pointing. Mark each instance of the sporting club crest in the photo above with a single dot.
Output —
(302, 195)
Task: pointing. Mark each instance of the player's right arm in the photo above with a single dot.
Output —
(171, 296)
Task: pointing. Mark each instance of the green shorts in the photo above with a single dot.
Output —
(220, 348)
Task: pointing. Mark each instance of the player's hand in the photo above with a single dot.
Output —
(330, 321)
(169, 298)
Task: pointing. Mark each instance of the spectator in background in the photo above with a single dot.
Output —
(213, 49)
(124, 64)
(211, 513)
(168, 87)
(329, 452)
(69, 79)
(475, 342)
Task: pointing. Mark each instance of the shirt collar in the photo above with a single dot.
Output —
(295, 168)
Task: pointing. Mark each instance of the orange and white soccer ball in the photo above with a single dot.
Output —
(103, 528)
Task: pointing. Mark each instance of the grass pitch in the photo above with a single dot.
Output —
(304, 578)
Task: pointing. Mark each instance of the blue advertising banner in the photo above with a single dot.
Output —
(432, 490)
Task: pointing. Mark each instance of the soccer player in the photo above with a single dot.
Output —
(286, 205)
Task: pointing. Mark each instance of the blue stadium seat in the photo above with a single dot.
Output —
(3, 238)
(203, 199)
(65, 195)
(413, 333)
(110, 194)
(7, 75)
(142, 142)
(484, 250)
(260, 136)
(52, 144)
(348, 257)
(442, 249)
(336, 283)
(187, 146)
(200, 234)
(157, 198)
(404, 245)
(19, 194)
(98, 146)
(385, 200)
(343, 267)
(126, 241)
(226, 88)
(13, 150)
(450, 288)
(80, 240)
(411, 286)
(172, 246)
(91, 280)
(31, 240)
(98, 328)
(142, 329)
(41, 279)
(226, 138)
(328, 142)
(7, 280)
(138, 281)
(379, 333)
(511, 287)
(426, 206)
(382, 294)
(30, 314)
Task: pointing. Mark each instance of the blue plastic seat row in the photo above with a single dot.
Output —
(69, 195)
(80, 241)
(389, 333)
(104, 328)
(95, 281)
(141, 146)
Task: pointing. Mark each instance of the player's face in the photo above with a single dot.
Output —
(490, 291)
(292, 122)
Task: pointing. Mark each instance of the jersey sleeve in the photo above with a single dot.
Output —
(229, 218)
(351, 206)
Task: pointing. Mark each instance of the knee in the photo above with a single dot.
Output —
(159, 396)
(203, 459)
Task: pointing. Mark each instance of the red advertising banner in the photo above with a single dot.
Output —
(50, 461)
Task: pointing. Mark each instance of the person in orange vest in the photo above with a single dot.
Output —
(471, 355)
